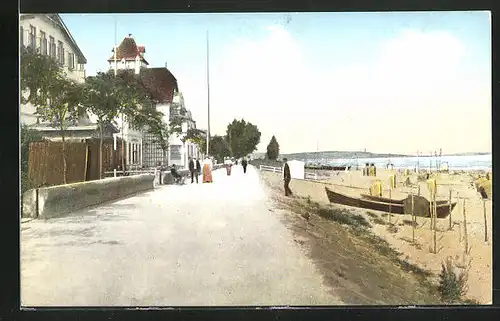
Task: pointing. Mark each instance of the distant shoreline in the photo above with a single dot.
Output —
(360, 154)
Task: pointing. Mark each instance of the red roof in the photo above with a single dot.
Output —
(160, 82)
(128, 50)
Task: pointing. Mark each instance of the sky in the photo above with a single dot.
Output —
(397, 82)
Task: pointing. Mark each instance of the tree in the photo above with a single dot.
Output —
(133, 100)
(37, 73)
(219, 148)
(273, 149)
(242, 138)
(55, 98)
(28, 135)
(61, 110)
(197, 137)
(98, 98)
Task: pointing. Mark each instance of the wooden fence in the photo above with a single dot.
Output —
(45, 162)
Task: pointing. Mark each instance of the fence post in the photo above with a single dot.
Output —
(114, 172)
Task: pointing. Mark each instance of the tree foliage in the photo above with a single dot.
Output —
(37, 73)
(99, 97)
(28, 135)
(273, 149)
(197, 137)
(242, 137)
(54, 96)
(218, 148)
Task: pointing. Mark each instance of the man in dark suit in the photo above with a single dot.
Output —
(244, 163)
(287, 178)
(192, 170)
(197, 169)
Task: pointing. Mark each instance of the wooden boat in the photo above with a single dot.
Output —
(383, 199)
(338, 198)
(394, 206)
(396, 201)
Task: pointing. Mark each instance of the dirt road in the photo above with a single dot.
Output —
(197, 244)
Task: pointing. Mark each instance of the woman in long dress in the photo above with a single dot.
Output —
(207, 170)
(228, 163)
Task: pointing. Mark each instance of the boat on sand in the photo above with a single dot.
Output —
(394, 206)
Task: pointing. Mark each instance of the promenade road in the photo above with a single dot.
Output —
(193, 245)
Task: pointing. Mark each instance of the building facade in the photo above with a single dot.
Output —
(142, 148)
(48, 35)
(180, 151)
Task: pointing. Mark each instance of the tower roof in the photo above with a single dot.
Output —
(128, 50)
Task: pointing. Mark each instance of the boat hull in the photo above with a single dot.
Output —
(342, 199)
(421, 206)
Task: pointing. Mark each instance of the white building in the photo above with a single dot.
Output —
(179, 151)
(48, 35)
(141, 148)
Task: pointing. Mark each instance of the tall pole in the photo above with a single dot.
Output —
(116, 71)
(208, 97)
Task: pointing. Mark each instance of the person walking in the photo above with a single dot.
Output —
(228, 163)
(197, 168)
(192, 170)
(287, 178)
(207, 170)
(244, 163)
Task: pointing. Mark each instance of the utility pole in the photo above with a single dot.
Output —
(208, 98)
(115, 67)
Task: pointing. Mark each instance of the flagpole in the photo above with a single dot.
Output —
(116, 71)
(208, 98)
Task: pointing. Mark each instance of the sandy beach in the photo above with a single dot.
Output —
(450, 242)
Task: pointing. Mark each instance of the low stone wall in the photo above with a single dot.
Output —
(56, 201)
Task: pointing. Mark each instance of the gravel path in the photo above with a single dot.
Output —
(214, 244)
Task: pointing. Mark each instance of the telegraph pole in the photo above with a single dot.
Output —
(208, 97)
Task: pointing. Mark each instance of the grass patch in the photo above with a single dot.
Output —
(385, 249)
(359, 227)
(371, 214)
(452, 285)
(379, 221)
(342, 217)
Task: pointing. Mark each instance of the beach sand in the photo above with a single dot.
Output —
(450, 243)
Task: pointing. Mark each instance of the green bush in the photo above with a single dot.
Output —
(343, 217)
(451, 286)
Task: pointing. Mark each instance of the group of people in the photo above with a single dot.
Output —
(195, 168)
(206, 171)
(229, 162)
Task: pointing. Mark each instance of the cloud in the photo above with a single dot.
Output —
(410, 95)
(417, 60)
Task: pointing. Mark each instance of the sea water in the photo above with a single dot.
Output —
(468, 162)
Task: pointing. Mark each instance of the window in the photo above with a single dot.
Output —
(175, 152)
(21, 36)
(52, 48)
(71, 61)
(32, 42)
(60, 52)
(43, 43)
